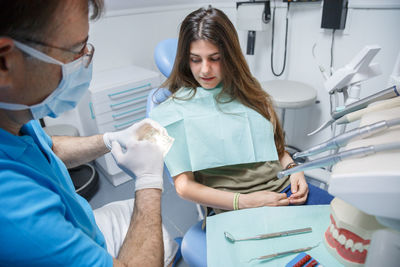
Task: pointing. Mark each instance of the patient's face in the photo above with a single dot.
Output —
(205, 63)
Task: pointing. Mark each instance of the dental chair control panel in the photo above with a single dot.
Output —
(116, 99)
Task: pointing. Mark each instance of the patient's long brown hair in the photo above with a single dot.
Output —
(211, 24)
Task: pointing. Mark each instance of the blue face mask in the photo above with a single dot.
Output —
(75, 82)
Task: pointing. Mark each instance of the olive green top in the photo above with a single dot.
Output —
(244, 178)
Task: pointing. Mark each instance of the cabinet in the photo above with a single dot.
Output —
(115, 100)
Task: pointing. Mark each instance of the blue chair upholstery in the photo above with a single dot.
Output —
(164, 55)
(155, 97)
(193, 248)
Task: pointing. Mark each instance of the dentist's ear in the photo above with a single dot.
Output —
(6, 47)
(6, 58)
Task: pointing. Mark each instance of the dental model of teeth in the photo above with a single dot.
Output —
(348, 237)
(153, 135)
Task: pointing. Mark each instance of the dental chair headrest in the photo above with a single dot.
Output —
(164, 55)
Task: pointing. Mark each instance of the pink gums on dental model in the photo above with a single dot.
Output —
(349, 234)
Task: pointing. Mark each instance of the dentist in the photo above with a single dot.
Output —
(45, 68)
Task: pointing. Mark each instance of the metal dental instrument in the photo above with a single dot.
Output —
(283, 253)
(388, 93)
(230, 237)
(353, 116)
(323, 126)
(343, 139)
(333, 159)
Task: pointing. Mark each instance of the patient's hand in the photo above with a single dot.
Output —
(262, 198)
(299, 189)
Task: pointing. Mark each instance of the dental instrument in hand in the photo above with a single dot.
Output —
(388, 93)
(283, 253)
(333, 159)
(230, 237)
(342, 139)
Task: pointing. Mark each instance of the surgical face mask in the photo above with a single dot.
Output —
(75, 81)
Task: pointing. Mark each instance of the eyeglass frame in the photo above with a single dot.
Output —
(88, 57)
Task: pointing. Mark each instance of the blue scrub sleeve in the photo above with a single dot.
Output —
(34, 229)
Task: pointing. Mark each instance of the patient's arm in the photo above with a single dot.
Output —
(189, 189)
(298, 183)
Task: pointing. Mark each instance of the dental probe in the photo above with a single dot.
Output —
(333, 159)
(283, 253)
(388, 93)
(342, 139)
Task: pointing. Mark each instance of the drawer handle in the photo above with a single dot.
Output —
(126, 103)
(127, 113)
(128, 91)
(126, 124)
(91, 110)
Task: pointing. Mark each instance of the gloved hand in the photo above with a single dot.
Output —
(123, 136)
(141, 159)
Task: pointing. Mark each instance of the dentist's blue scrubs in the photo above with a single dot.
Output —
(43, 222)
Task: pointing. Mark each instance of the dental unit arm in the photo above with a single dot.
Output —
(351, 75)
(342, 139)
(333, 159)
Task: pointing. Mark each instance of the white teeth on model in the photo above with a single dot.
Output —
(342, 240)
(359, 247)
(335, 234)
(347, 243)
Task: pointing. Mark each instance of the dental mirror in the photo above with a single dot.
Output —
(232, 239)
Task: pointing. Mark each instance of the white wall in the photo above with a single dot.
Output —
(127, 35)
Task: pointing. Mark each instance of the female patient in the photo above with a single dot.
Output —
(229, 144)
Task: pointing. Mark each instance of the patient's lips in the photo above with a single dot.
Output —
(348, 245)
(207, 79)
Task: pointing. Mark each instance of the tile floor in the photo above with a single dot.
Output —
(178, 214)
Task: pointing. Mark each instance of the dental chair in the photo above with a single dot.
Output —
(193, 246)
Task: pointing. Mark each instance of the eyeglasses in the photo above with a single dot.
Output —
(86, 50)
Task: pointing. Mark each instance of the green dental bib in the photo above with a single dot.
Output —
(210, 134)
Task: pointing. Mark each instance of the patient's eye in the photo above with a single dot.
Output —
(195, 59)
(215, 58)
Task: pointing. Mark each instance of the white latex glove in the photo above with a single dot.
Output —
(123, 136)
(141, 159)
